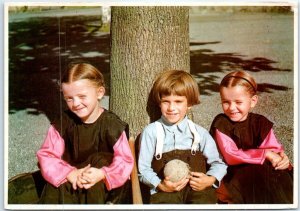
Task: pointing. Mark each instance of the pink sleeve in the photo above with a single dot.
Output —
(271, 143)
(235, 156)
(53, 168)
(120, 169)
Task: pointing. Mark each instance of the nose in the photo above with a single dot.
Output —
(171, 106)
(231, 106)
(76, 102)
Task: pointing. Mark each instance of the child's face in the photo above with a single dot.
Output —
(82, 99)
(174, 108)
(237, 102)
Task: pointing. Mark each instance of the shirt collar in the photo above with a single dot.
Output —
(171, 127)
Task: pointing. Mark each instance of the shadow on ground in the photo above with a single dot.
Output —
(207, 61)
(40, 49)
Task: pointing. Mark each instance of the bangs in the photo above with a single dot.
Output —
(175, 88)
(176, 82)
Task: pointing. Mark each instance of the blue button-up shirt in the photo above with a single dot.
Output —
(177, 136)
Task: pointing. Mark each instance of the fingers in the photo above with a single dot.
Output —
(196, 175)
(284, 157)
(282, 154)
(197, 180)
(79, 184)
(182, 184)
(167, 178)
(85, 178)
(275, 162)
(282, 165)
(86, 168)
(174, 186)
(81, 181)
(87, 186)
(74, 185)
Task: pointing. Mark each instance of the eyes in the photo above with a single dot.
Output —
(173, 100)
(168, 102)
(70, 99)
(224, 102)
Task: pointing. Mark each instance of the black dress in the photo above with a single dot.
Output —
(252, 183)
(85, 144)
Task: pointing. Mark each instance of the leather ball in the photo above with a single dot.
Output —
(176, 170)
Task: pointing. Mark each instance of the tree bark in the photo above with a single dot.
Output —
(144, 42)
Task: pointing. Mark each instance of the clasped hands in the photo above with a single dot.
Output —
(85, 177)
(198, 181)
(279, 161)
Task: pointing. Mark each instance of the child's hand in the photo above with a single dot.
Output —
(284, 163)
(92, 176)
(80, 181)
(273, 157)
(200, 181)
(167, 186)
(72, 178)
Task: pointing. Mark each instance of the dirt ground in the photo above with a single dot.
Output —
(261, 43)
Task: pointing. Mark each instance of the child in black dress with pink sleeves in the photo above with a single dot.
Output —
(259, 172)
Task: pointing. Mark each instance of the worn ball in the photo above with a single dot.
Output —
(176, 170)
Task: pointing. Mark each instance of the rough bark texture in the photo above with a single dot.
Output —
(144, 42)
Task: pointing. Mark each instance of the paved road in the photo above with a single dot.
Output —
(260, 43)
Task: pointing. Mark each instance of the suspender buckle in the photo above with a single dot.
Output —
(158, 157)
(193, 152)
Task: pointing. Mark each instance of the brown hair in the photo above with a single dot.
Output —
(240, 78)
(176, 82)
(80, 71)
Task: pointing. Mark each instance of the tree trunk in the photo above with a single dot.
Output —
(144, 42)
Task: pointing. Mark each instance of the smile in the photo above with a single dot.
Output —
(78, 109)
(171, 114)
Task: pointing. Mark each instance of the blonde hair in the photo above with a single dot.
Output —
(176, 82)
(81, 71)
(240, 78)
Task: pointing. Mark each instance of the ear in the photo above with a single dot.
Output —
(100, 92)
(254, 100)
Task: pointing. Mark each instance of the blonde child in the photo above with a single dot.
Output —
(257, 165)
(86, 152)
(174, 136)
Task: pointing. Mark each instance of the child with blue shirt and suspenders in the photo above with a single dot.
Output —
(174, 136)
